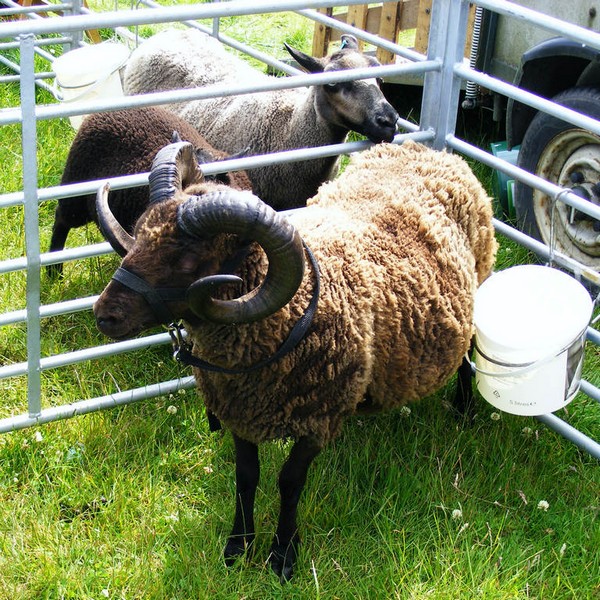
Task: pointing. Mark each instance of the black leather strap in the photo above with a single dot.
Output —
(157, 298)
(182, 350)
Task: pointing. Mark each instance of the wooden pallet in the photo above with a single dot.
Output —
(387, 21)
(93, 34)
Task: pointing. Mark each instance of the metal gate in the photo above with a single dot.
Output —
(444, 72)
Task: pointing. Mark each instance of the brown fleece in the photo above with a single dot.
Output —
(403, 238)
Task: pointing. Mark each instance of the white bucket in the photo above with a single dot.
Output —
(90, 72)
(530, 326)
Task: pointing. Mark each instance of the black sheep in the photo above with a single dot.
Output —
(123, 143)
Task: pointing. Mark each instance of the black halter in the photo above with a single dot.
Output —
(158, 298)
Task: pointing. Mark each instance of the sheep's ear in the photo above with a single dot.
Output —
(309, 63)
(349, 42)
(203, 156)
(175, 137)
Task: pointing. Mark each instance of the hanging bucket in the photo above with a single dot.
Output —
(530, 325)
(88, 73)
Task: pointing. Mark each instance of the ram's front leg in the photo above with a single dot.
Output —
(247, 472)
(291, 482)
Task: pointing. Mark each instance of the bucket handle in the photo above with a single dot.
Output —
(520, 368)
(88, 88)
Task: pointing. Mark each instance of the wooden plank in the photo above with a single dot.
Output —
(92, 33)
(423, 21)
(408, 14)
(321, 35)
(389, 25)
(471, 21)
(357, 17)
(379, 20)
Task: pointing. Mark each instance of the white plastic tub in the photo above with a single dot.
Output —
(530, 330)
(90, 72)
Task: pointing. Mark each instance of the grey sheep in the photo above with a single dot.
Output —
(402, 239)
(118, 143)
(269, 121)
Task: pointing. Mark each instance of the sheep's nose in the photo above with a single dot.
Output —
(388, 118)
(107, 324)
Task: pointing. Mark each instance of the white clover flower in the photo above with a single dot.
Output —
(527, 431)
(105, 593)
(171, 409)
(457, 514)
(38, 437)
(543, 505)
(495, 416)
(463, 528)
(405, 411)
(208, 469)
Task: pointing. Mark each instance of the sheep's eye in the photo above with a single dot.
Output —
(340, 86)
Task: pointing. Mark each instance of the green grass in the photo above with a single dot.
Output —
(136, 502)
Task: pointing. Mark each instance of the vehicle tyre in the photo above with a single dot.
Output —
(570, 157)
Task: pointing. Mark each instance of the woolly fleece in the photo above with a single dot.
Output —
(123, 142)
(403, 238)
(260, 122)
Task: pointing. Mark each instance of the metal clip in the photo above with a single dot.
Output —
(177, 340)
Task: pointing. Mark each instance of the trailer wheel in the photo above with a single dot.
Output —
(570, 157)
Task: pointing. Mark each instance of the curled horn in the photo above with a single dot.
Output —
(243, 214)
(174, 167)
(111, 229)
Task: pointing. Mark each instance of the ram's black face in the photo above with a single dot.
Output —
(164, 258)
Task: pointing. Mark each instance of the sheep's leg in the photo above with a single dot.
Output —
(60, 231)
(247, 472)
(291, 482)
(463, 399)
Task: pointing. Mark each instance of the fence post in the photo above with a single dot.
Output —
(31, 218)
(441, 89)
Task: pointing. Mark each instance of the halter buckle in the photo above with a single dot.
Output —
(177, 339)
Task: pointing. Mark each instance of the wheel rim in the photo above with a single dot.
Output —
(571, 160)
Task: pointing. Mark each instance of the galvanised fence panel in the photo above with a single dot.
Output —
(28, 47)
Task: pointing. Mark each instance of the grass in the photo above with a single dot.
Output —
(136, 502)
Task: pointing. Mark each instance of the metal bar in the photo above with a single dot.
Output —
(590, 390)
(51, 258)
(49, 310)
(561, 28)
(77, 356)
(8, 116)
(447, 37)
(569, 432)
(20, 10)
(31, 220)
(165, 15)
(83, 407)
(547, 187)
(262, 160)
(233, 43)
(363, 35)
(547, 106)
